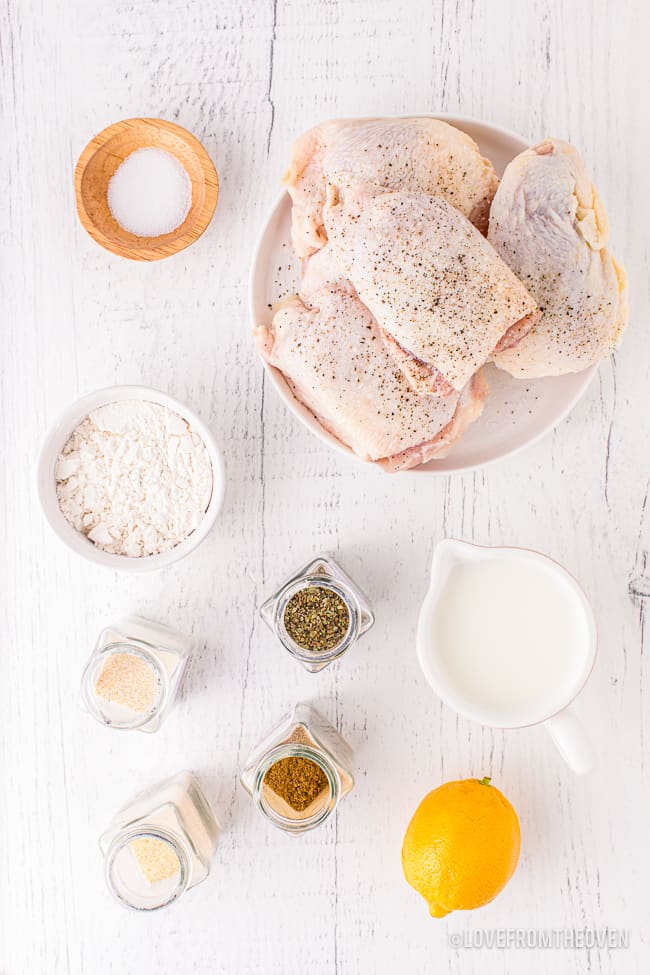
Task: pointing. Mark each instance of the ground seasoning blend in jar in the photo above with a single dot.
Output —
(300, 772)
(318, 614)
(160, 844)
(134, 674)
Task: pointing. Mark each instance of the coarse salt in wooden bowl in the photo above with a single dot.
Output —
(107, 151)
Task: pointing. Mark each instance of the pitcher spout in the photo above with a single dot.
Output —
(449, 553)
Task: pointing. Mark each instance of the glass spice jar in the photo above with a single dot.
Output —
(318, 614)
(160, 844)
(299, 772)
(134, 674)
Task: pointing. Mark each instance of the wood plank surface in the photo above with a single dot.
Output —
(246, 78)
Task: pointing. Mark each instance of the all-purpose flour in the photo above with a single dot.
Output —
(134, 478)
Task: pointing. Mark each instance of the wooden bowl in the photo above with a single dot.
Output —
(108, 150)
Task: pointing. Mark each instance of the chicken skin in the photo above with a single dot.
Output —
(329, 348)
(441, 295)
(549, 225)
(419, 154)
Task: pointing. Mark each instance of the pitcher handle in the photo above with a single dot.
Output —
(571, 740)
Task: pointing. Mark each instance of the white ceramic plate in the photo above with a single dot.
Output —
(517, 413)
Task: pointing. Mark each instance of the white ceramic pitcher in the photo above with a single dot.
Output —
(557, 715)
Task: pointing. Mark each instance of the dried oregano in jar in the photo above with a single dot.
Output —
(316, 618)
(318, 614)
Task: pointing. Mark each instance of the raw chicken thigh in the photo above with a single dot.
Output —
(421, 154)
(549, 225)
(329, 348)
(403, 299)
(441, 295)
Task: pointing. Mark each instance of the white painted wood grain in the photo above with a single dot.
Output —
(246, 78)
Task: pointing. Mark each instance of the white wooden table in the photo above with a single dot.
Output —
(246, 77)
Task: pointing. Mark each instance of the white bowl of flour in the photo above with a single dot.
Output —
(131, 479)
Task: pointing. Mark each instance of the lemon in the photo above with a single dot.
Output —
(461, 846)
